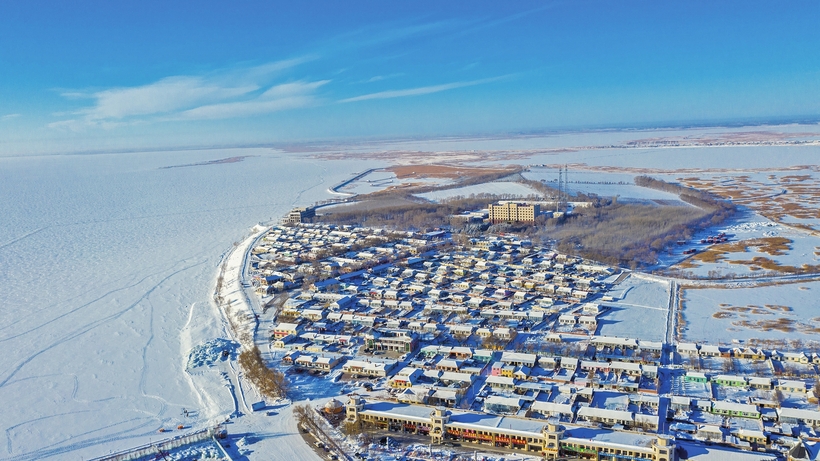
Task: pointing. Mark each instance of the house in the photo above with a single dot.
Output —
(569, 363)
(501, 383)
(708, 350)
(749, 353)
(405, 378)
(521, 373)
(680, 403)
(461, 353)
(505, 334)
(710, 432)
(742, 410)
(606, 416)
(483, 355)
(796, 357)
(314, 315)
(518, 359)
(799, 416)
(588, 321)
(550, 409)
(632, 369)
(696, 377)
(687, 348)
(751, 436)
(500, 404)
(787, 385)
(316, 363)
(368, 368)
(391, 340)
(415, 395)
(613, 342)
(757, 382)
(730, 380)
(567, 319)
(448, 365)
(282, 329)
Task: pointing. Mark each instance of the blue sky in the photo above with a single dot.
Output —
(79, 75)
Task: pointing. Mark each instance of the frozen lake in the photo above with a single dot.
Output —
(103, 258)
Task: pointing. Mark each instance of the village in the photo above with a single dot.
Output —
(499, 342)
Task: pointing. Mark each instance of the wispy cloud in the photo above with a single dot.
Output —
(418, 91)
(280, 97)
(379, 78)
(224, 94)
(9, 117)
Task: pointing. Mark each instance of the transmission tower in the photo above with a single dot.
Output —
(565, 198)
(560, 189)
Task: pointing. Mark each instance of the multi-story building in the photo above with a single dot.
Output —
(298, 215)
(513, 212)
(526, 435)
(391, 340)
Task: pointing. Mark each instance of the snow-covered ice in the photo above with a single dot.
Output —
(108, 269)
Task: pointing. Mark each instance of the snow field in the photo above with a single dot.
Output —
(108, 270)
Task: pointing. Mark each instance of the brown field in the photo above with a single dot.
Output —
(790, 195)
(443, 171)
(781, 324)
(775, 246)
(742, 314)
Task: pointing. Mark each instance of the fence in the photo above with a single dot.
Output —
(152, 449)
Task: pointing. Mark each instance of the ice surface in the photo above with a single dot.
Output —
(793, 303)
(108, 263)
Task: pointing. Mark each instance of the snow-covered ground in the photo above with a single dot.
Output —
(640, 310)
(108, 265)
(718, 315)
(495, 188)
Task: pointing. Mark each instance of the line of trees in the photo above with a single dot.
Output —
(720, 209)
(419, 216)
(270, 383)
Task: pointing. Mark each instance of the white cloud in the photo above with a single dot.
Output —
(277, 98)
(224, 94)
(167, 95)
(420, 90)
(9, 117)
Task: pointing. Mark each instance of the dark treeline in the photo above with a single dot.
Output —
(623, 234)
(270, 383)
(719, 209)
(460, 182)
(420, 216)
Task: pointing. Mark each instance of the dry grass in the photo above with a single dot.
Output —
(790, 195)
(442, 171)
(774, 246)
(781, 324)
(778, 307)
